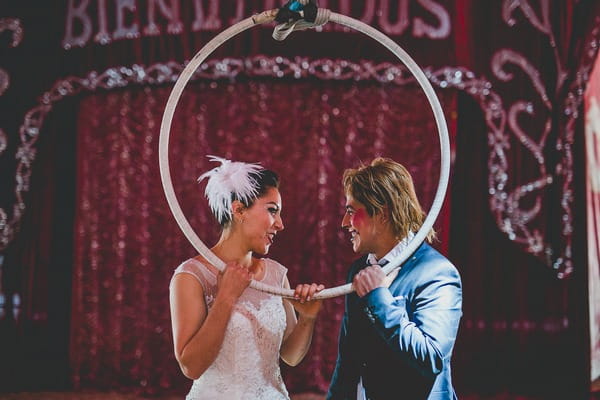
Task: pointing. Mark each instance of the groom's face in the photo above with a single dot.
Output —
(361, 226)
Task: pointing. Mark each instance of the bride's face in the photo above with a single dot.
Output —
(262, 221)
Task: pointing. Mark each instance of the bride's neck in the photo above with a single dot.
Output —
(229, 249)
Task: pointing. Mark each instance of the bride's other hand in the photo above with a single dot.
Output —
(303, 299)
(300, 329)
(233, 281)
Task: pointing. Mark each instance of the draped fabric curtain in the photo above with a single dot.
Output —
(127, 242)
(523, 330)
(34, 321)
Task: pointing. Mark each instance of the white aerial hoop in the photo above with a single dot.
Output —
(324, 16)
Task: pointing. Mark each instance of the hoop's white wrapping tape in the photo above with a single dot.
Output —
(241, 26)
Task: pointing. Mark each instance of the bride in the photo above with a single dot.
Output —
(228, 337)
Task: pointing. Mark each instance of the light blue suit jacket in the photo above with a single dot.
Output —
(400, 340)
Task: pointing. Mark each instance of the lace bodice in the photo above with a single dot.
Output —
(247, 366)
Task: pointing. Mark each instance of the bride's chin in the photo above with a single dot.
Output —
(262, 251)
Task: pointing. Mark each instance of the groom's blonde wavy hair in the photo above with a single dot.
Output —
(386, 187)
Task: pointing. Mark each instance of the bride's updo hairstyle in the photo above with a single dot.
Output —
(234, 180)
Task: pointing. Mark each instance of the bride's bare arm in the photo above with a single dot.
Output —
(197, 334)
(299, 331)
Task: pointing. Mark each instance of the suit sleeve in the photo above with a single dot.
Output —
(427, 336)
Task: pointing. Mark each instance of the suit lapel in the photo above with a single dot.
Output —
(406, 267)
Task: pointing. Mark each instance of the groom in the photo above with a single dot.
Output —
(398, 331)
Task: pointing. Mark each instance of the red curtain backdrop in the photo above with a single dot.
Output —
(127, 243)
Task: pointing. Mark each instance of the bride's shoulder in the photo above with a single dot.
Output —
(275, 272)
(274, 265)
(201, 262)
(198, 267)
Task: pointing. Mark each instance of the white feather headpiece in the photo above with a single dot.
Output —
(230, 178)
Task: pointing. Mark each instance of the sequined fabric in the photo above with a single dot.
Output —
(127, 242)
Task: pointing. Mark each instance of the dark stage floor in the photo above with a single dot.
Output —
(120, 396)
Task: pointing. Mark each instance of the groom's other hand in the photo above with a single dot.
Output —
(368, 279)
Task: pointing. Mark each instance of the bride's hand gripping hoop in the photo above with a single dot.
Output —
(298, 15)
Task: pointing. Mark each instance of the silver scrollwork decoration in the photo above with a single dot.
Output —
(511, 217)
(259, 66)
(12, 25)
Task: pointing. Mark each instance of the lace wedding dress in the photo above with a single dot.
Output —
(247, 366)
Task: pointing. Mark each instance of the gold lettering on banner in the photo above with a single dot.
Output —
(88, 20)
(239, 12)
(345, 8)
(172, 14)
(402, 21)
(122, 32)
(206, 21)
(102, 36)
(421, 28)
(77, 13)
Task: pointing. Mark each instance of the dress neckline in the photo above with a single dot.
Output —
(209, 268)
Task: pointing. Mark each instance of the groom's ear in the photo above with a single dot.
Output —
(384, 215)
